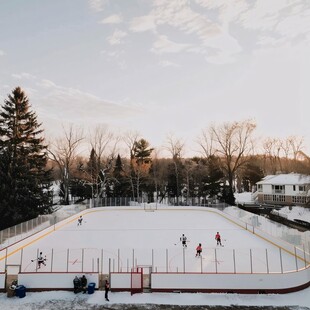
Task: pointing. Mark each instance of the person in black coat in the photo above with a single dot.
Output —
(106, 290)
(83, 283)
(76, 285)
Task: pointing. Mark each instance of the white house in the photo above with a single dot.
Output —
(284, 189)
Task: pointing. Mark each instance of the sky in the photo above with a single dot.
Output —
(102, 222)
(160, 68)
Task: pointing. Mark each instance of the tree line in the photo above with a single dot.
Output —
(29, 165)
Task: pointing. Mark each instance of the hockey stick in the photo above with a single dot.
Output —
(33, 260)
(42, 261)
(177, 242)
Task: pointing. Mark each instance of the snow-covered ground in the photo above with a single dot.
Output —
(68, 300)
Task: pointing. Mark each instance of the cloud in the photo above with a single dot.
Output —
(264, 15)
(166, 63)
(70, 104)
(164, 45)
(116, 37)
(112, 19)
(282, 19)
(224, 48)
(295, 26)
(46, 84)
(143, 23)
(2, 53)
(180, 15)
(97, 5)
(23, 75)
(194, 31)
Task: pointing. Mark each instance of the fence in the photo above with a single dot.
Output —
(23, 230)
(286, 258)
(171, 201)
(276, 230)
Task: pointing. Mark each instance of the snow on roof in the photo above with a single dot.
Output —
(286, 179)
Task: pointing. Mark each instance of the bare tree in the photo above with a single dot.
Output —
(103, 142)
(176, 148)
(296, 144)
(104, 148)
(206, 142)
(64, 152)
(282, 154)
(233, 143)
(273, 150)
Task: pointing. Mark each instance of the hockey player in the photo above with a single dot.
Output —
(198, 250)
(41, 260)
(183, 239)
(80, 220)
(218, 239)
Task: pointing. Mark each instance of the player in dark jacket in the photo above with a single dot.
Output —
(106, 290)
(83, 283)
(76, 285)
(183, 239)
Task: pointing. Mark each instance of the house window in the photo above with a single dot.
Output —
(300, 199)
(278, 198)
(278, 189)
(259, 187)
(302, 188)
(294, 188)
(267, 197)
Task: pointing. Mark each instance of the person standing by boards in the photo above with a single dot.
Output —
(106, 290)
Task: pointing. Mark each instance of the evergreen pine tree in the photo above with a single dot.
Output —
(25, 182)
(121, 186)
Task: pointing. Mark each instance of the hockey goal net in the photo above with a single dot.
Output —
(151, 207)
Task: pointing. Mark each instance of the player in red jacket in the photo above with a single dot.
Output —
(218, 239)
(198, 250)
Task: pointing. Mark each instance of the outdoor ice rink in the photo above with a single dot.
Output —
(114, 239)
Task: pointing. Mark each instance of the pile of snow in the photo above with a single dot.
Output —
(245, 197)
(64, 211)
(295, 212)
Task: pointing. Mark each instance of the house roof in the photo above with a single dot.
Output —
(286, 179)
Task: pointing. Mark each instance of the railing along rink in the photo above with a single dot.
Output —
(175, 259)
